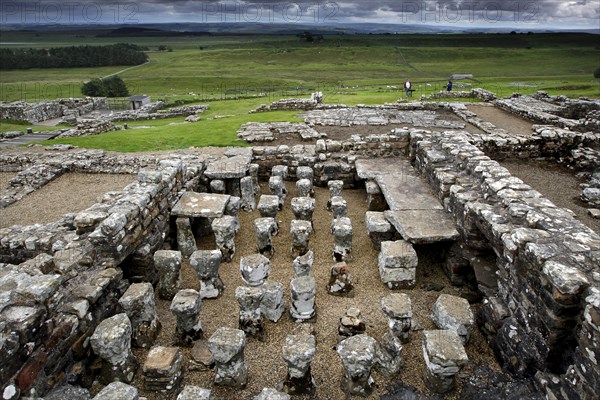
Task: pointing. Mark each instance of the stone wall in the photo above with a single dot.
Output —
(42, 111)
(292, 104)
(543, 320)
(50, 304)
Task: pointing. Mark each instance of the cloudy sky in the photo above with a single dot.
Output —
(520, 14)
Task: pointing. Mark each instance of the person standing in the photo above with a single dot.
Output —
(408, 88)
(449, 86)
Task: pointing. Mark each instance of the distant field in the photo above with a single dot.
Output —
(227, 66)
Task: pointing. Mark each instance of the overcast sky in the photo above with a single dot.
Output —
(519, 14)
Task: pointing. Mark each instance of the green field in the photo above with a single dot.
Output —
(349, 69)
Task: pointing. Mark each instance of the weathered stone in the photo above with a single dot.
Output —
(351, 324)
(338, 206)
(190, 392)
(186, 307)
(358, 355)
(186, 242)
(277, 188)
(298, 351)
(303, 295)
(250, 319)
(168, 265)
(305, 173)
(255, 269)
(201, 205)
(265, 228)
(233, 209)
(389, 355)
(228, 167)
(138, 304)
(111, 341)
(268, 205)
(206, 263)
(301, 232)
(217, 186)
(340, 281)
(423, 226)
(248, 202)
(342, 237)
(117, 390)
(201, 359)
(335, 190)
(398, 309)
(379, 229)
(272, 304)
(303, 264)
(280, 170)
(163, 369)
(271, 394)
(454, 313)
(303, 208)
(375, 199)
(224, 230)
(444, 356)
(227, 346)
(397, 264)
(304, 188)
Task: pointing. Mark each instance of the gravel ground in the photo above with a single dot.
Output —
(266, 367)
(4, 178)
(502, 119)
(71, 192)
(555, 182)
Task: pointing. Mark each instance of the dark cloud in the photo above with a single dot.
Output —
(566, 14)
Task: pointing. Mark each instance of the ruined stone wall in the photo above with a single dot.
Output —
(543, 320)
(51, 303)
(42, 111)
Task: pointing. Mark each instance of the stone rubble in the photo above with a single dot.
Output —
(117, 390)
(190, 392)
(163, 369)
(351, 324)
(340, 281)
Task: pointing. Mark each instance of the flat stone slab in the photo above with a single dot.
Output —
(423, 226)
(400, 184)
(229, 167)
(207, 205)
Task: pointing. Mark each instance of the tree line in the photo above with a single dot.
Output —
(72, 57)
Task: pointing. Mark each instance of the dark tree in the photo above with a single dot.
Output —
(116, 87)
(597, 73)
(94, 88)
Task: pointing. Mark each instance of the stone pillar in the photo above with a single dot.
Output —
(454, 313)
(389, 355)
(277, 188)
(272, 304)
(375, 199)
(253, 172)
(118, 390)
(358, 358)
(303, 208)
(335, 189)
(398, 264)
(444, 356)
(250, 320)
(227, 346)
(255, 269)
(268, 205)
(185, 237)
(217, 186)
(380, 230)
(338, 206)
(398, 309)
(233, 209)
(351, 324)
(138, 304)
(163, 369)
(342, 237)
(340, 281)
(265, 228)
(304, 188)
(248, 202)
(298, 352)
(224, 230)
(168, 265)
(280, 170)
(206, 263)
(303, 264)
(305, 173)
(303, 293)
(111, 341)
(190, 392)
(301, 232)
(186, 307)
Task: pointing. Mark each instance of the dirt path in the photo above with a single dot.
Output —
(4, 178)
(502, 119)
(556, 183)
(68, 193)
